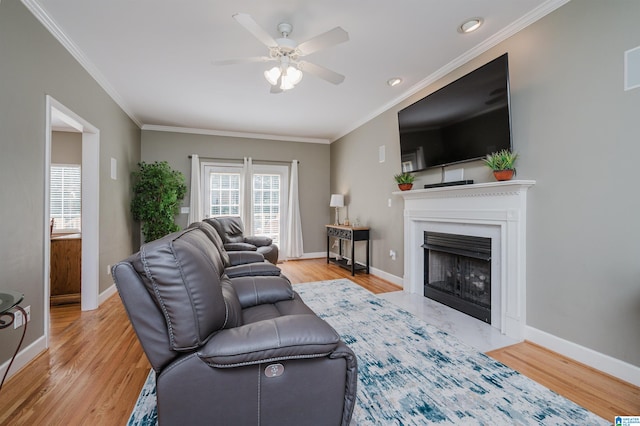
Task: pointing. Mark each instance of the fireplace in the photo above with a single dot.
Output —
(495, 210)
(457, 272)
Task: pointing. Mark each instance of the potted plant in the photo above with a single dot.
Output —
(157, 192)
(502, 163)
(404, 181)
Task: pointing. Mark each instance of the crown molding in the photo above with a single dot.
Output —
(210, 132)
(515, 27)
(41, 14)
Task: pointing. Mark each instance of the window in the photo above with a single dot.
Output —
(65, 199)
(266, 205)
(223, 196)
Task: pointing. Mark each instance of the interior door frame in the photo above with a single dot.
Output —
(90, 206)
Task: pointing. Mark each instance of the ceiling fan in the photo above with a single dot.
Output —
(287, 53)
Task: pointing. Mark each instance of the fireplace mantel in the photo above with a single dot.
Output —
(497, 210)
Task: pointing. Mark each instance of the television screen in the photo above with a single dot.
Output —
(463, 121)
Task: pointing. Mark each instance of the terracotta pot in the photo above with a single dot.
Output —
(503, 174)
(405, 186)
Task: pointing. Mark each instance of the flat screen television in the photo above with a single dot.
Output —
(463, 121)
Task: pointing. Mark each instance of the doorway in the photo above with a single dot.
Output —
(59, 115)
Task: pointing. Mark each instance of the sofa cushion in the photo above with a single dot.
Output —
(258, 241)
(240, 246)
(181, 272)
(260, 290)
(288, 337)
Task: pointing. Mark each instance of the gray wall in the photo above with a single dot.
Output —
(313, 171)
(32, 65)
(66, 147)
(576, 130)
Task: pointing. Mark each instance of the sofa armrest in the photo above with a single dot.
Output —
(258, 290)
(260, 269)
(239, 247)
(242, 257)
(258, 241)
(288, 337)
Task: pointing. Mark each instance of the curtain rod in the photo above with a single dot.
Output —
(240, 160)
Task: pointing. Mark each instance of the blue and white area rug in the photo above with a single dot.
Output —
(411, 373)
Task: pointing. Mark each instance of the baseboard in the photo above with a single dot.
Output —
(387, 276)
(102, 297)
(25, 356)
(615, 367)
(373, 271)
(313, 255)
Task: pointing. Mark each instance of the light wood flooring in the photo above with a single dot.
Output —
(95, 367)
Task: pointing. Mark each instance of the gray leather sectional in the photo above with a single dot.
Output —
(230, 341)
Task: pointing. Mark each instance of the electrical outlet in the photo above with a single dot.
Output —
(17, 319)
(27, 310)
(108, 269)
(392, 254)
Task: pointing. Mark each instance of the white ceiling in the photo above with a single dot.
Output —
(154, 57)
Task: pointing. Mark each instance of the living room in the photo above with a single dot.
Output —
(568, 103)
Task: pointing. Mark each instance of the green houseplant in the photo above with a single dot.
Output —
(404, 181)
(502, 163)
(157, 192)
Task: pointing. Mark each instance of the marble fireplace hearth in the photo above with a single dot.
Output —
(494, 210)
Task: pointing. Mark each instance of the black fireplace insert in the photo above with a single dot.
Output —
(457, 272)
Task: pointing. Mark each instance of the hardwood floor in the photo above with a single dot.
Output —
(95, 367)
(605, 395)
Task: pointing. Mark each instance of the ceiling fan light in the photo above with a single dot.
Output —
(286, 84)
(294, 75)
(272, 75)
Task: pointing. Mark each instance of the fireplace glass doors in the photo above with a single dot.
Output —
(457, 272)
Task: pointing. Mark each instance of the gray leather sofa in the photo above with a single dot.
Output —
(232, 351)
(231, 230)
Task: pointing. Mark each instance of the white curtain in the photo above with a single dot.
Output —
(293, 243)
(195, 208)
(246, 191)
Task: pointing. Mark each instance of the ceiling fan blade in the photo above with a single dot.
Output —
(258, 32)
(322, 72)
(275, 88)
(324, 40)
(241, 60)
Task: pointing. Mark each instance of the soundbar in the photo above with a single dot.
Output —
(452, 183)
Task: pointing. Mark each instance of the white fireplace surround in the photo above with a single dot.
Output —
(496, 210)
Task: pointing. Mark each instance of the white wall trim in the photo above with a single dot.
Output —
(315, 255)
(615, 367)
(41, 14)
(25, 356)
(107, 294)
(210, 132)
(387, 276)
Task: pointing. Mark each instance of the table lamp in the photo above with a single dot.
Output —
(337, 201)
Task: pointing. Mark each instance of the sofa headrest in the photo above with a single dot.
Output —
(180, 272)
(230, 228)
(213, 235)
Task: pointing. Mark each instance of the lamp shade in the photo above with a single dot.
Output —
(337, 200)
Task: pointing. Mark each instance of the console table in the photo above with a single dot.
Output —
(349, 233)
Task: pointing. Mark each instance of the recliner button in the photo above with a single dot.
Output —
(274, 370)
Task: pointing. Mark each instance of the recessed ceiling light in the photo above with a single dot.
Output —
(470, 25)
(394, 81)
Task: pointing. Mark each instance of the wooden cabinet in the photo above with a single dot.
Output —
(65, 267)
